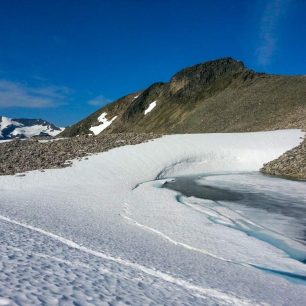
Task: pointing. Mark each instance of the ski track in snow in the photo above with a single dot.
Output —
(206, 292)
(164, 236)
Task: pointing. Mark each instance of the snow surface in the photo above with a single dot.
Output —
(104, 124)
(34, 130)
(150, 107)
(54, 139)
(103, 232)
(5, 122)
(5, 140)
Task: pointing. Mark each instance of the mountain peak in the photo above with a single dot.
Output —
(221, 95)
(24, 128)
(216, 68)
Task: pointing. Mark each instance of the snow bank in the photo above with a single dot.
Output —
(105, 123)
(107, 207)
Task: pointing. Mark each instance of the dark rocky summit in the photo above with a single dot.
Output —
(291, 164)
(20, 156)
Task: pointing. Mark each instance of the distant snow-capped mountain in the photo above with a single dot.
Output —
(26, 128)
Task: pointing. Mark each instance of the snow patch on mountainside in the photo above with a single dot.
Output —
(104, 124)
(30, 131)
(103, 231)
(150, 107)
(5, 122)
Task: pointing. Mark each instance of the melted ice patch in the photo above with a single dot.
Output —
(150, 107)
(104, 124)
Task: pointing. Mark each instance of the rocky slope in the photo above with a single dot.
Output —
(26, 128)
(291, 164)
(19, 156)
(217, 96)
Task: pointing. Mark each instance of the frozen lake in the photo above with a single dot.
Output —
(271, 209)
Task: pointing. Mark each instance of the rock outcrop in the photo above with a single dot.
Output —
(20, 156)
(291, 164)
(216, 96)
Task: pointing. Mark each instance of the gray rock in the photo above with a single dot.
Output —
(22, 156)
(291, 164)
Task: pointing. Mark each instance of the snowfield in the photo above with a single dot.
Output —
(30, 131)
(102, 232)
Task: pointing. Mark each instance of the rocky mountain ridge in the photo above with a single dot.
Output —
(217, 96)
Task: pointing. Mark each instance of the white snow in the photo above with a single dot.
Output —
(54, 132)
(4, 301)
(135, 97)
(102, 231)
(6, 140)
(5, 122)
(52, 140)
(104, 124)
(150, 107)
(30, 131)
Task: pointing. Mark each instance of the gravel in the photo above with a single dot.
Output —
(291, 164)
(19, 156)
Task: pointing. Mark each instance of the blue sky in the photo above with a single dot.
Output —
(60, 60)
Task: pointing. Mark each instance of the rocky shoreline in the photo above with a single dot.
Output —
(19, 156)
(292, 164)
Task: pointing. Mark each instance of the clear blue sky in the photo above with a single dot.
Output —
(61, 60)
